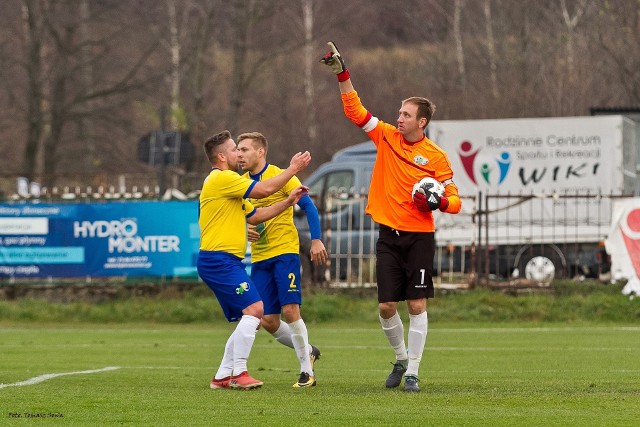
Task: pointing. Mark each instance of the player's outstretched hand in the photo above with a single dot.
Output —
(334, 60)
(297, 194)
(300, 161)
(318, 253)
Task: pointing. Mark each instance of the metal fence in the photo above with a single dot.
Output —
(143, 185)
(498, 239)
(566, 231)
(350, 236)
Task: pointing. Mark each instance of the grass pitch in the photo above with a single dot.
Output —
(502, 374)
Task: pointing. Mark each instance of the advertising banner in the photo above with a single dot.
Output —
(141, 238)
(623, 244)
(561, 154)
(543, 159)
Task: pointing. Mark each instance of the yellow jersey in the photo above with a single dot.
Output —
(278, 235)
(223, 212)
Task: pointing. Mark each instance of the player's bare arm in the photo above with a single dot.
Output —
(268, 212)
(269, 186)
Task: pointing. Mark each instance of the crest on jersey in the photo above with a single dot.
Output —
(419, 160)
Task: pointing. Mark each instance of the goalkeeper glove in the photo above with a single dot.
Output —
(334, 60)
(427, 201)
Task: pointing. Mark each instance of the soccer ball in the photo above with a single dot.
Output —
(429, 184)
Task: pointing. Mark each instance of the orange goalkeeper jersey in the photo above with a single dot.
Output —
(399, 165)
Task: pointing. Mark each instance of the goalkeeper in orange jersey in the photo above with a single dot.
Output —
(406, 244)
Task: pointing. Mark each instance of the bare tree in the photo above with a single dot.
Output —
(457, 36)
(87, 78)
(175, 49)
(243, 19)
(33, 13)
(203, 47)
(620, 66)
(491, 48)
(85, 129)
(571, 21)
(310, 60)
(260, 37)
(65, 92)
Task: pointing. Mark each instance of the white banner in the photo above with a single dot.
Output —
(623, 244)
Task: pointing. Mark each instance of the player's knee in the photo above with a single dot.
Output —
(256, 310)
(291, 312)
(416, 306)
(270, 323)
(387, 309)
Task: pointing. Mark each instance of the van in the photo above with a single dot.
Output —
(339, 190)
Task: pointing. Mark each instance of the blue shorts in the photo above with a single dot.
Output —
(278, 281)
(226, 276)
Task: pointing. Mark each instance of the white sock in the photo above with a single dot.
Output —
(300, 339)
(418, 327)
(243, 338)
(283, 334)
(394, 331)
(226, 366)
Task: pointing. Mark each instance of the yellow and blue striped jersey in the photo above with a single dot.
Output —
(223, 212)
(278, 235)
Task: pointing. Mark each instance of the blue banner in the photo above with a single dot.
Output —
(141, 238)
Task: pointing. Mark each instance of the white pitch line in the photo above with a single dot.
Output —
(45, 377)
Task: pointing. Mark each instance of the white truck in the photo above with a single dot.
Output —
(536, 194)
(542, 187)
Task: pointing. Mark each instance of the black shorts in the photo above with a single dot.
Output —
(404, 265)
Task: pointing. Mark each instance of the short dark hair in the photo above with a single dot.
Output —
(258, 139)
(212, 144)
(426, 108)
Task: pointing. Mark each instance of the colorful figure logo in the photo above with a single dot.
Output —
(242, 288)
(630, 228)
(468, 157)
(419, 160)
